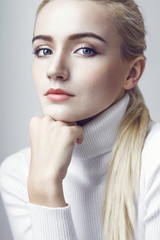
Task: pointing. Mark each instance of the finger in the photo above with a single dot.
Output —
(80, 135)
(80, 139)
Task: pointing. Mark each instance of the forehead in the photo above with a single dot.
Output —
(64, 17)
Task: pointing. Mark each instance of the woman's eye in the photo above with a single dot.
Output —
(86, 52)
(42, 52)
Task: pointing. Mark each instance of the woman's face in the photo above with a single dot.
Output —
(77, 58)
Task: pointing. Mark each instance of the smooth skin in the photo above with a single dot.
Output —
(79, 52)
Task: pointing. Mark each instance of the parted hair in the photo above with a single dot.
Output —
(123, 172)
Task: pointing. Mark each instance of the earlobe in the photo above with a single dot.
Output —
(136, 68)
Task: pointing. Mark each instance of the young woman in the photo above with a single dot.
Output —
(93, 169)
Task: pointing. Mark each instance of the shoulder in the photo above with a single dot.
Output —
(17, 161)
(15, 168)
(154, 132)
(149, 194)
(150, 167)
(152, 142)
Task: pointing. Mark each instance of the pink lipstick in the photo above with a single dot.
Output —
(57, 95)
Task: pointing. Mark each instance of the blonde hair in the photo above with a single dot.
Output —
(123, 173)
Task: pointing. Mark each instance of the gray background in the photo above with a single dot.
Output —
(18, 99)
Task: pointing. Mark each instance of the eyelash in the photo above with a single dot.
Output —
(93, 50)
(36, 52)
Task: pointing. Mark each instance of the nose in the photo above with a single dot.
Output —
(57, 69)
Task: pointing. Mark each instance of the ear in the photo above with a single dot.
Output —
(136, 68)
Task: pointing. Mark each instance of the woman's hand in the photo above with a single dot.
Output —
(52, 144)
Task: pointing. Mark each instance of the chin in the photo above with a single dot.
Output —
(67, 115)
(59, 113)
(60, 117)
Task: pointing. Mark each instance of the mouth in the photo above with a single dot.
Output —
(57, 95)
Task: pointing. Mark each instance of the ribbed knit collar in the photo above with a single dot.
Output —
(101, 132)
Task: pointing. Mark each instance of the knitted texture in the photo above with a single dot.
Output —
(83, 187)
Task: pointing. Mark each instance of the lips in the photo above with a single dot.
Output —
(57, 95)
(57, 91)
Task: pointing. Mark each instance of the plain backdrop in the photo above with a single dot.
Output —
(18, 98)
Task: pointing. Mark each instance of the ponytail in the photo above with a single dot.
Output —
(124, 171)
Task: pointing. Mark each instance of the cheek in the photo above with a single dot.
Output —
(105, 78)
(38, 75)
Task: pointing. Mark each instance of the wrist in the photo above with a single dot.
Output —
(50, 195)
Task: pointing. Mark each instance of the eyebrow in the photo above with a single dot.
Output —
(84, 35)
(42, 37)
(71, 37)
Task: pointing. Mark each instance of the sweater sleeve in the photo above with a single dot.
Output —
(29, 221)
(52, 223)
(151, 156)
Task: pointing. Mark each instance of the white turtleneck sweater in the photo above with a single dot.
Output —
(83, 187)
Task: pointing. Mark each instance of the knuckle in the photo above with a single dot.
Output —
(34, 121)
(35, 118)
(46, 118)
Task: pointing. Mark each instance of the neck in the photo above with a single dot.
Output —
(100, 131)
(84, 121)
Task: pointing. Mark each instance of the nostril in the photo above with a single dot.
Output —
(56, 77)
(59, 77)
